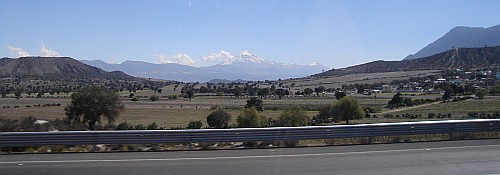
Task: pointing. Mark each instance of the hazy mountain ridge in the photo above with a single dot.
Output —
(217, 81)
(57, 68)
(452, 59)
(461, 37)
(245, 66)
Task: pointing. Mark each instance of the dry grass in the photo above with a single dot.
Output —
(337, 82)
(459, 109)
(168, 113)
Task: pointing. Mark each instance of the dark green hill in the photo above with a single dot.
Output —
(452, 59)
(54, 68)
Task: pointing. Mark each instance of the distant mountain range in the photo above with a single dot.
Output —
(462, 47)
(452, 59)
(244, 66)
(461, 37)
(54, 68)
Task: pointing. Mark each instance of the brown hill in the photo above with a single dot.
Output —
(458, 58)
(55, 68)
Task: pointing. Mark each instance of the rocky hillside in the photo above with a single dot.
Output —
(451, 59)
(461, 37)
(54, 68)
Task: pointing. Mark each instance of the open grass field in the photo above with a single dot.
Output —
(166, 113)
(370, 78)
(459, 109)
(177, 113)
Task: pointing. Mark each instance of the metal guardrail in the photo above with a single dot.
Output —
(10, 139)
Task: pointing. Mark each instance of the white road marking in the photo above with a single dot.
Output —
(243, 157)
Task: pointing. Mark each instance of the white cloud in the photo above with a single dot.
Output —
(46, 52)
(180, 58)
(220, 56)
(18, 52)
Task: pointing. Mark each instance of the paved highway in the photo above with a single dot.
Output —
(450, 157)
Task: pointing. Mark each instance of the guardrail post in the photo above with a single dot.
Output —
(1, 145)
(95, 138)
(370, 138)
(451, 134)
(191, 134)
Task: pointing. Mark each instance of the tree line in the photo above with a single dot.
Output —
(89, 105)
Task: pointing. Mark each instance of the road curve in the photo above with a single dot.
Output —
(450, 157)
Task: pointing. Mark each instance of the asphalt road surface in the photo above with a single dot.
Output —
(451, 157)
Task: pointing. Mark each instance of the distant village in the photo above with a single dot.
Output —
(465, 80)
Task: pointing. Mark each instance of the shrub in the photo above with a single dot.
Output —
(124, 126)
(135, 98)
(251, 118)
(325, 115)
(139, 127)
(154, 98)
(195, 124)
(152, 126)
(294, 116)
(256, 103)
(431, 115)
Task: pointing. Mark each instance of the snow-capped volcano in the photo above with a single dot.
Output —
(245, 66)
(245, 57)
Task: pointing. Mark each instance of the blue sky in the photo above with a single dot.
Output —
(199, 33)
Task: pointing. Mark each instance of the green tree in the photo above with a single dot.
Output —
(348, 108)
(325, 114)
(408, 102)
(251, 118)
(219, 119)
(263, 92)
(340, 94)
(308, 91)
(448, 91)
(190, 94)
(273, 88)
(397, 100)
(481, 93)
(89, 104)
(495, 90)
(320, 89)
(293, 116)
(256, 103)
(447, 94)
(280, 92)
